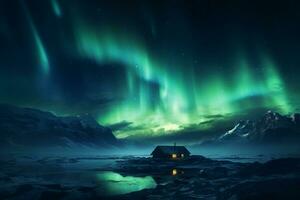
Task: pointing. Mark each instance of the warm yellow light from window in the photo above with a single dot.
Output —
(174, 155)
(174, 172)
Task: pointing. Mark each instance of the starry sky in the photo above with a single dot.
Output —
(157, 70)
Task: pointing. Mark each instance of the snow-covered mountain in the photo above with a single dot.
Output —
(272, 127)
(32, 128)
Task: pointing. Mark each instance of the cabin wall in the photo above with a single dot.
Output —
(162, 155)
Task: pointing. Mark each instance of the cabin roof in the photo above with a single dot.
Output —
(171, 149)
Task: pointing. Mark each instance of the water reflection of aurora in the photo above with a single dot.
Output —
(112, 183)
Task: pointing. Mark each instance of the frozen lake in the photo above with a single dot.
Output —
(132, 177)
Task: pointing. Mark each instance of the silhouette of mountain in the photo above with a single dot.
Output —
(32, 128)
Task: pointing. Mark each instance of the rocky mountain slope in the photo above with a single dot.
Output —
(32, 128)
(270, 128)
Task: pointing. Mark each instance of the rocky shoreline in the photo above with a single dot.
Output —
(194, 178)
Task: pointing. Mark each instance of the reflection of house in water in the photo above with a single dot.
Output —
(171, 152)
(175, 172)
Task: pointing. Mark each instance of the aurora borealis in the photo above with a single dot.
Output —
(181, 97)
(42, 55)
(148, 69)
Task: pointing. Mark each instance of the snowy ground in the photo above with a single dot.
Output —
(141, 177)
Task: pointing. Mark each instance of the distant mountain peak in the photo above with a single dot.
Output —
(88, 120)
(240, 130)
(296, 118)
(272, 126)
(29, 127)
(271, 115)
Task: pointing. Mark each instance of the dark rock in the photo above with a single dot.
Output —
(283, 188)
(214, 173)
(278, 166)
(50, 195)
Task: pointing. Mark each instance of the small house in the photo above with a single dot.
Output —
(170, 152)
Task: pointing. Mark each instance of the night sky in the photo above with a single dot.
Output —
(152, 69)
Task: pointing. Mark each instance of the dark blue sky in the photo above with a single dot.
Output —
(173, 64)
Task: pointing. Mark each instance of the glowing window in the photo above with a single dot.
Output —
(174, 172)
(182, 155)
(174, 155)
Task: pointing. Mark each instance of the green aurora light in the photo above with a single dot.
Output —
(184, 97)
(41, 51)
(56, 8)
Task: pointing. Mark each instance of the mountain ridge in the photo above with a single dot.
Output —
(271, 127)
(32, 128)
